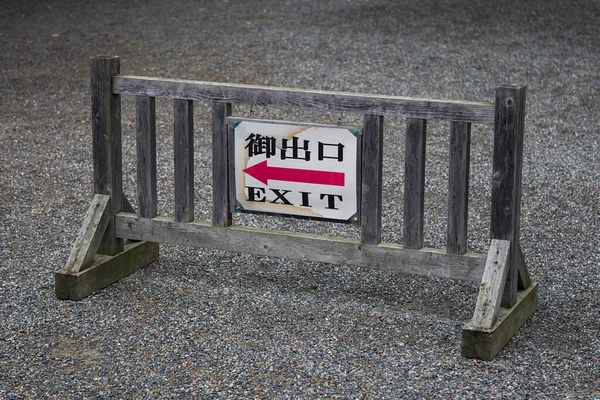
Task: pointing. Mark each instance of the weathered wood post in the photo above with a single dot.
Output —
(506, 178)
(492, 326)
(106, 144)
(99, 257)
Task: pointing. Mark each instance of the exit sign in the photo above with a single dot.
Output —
(296, 169)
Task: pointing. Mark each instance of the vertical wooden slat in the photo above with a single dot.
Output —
(220, 181)
(146, 156)
(458, 187)
(372, 165)
(106, 144)
(183, 111)
(506, 178)
(414, 182)
(231, 160)
(357, 220)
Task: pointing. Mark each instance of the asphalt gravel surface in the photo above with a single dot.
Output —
(210, 324)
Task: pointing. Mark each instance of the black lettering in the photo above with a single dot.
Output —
(331, 200)
(258, 144)
(305, 202)
(254, 194)
(280, 195)
(339, 154)
(294, 147)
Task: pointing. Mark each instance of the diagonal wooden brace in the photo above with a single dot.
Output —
(492, 326)
(90, 235)
(85, 270)
(492, 285)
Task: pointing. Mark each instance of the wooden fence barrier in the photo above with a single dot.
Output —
(115, 240)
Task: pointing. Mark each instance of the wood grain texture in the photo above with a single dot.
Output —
(297, 246)
(506, 178)
(372, 166)
(90, 235)
(220, 164)
(492, 285)
(146, 156)
(106, 142)
(104, 271)
(485, 344)
(414, 183)
(462, 111)
(458, 187)
(183, 114)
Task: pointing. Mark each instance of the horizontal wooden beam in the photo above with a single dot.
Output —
(461, 111)
(103, 271)
(485, 344)
(298, 246)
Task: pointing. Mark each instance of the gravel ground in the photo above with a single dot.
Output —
(211, 324)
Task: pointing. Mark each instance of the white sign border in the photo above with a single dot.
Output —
(235, 206)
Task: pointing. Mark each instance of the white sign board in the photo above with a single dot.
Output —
(303, 170)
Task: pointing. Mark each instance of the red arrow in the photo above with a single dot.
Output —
(264, 173)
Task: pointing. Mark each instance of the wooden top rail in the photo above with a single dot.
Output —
(460, 111)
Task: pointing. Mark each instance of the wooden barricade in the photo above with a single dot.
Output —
(115, 240)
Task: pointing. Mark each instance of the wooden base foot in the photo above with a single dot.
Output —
(104, 271)
(485, 344)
